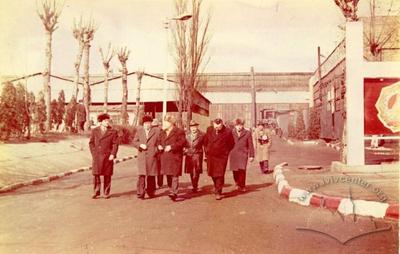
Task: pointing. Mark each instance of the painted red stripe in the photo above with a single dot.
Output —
(332, 202)
(317, 200)
(392, 211)
(286, 191)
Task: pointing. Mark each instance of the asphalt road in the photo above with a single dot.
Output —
(60, 217)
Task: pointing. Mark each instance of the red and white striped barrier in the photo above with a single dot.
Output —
(343, 205)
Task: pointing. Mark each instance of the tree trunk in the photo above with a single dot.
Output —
(124, 110)
(86, 88)
(77, 76)
(189, 106)
(28, 124)
(46, 83)
(77, 66)
(136, 123)
(105, 90)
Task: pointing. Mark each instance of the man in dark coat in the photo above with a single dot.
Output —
(172, 141)
(146, 141)
(241, 153)
(194, 154)
(103, 146)
(218, 142)
(160, 178)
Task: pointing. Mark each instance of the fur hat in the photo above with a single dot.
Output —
(218, 121)
(147, 118)
(170, 118)
(238, 121)
(193, 123)
(155, 122)
(102, 117)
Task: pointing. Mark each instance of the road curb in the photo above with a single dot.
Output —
(343, 205)
(12, 187)
(334, 146)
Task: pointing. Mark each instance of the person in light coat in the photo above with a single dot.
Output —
(263, 144)
(160, 178)
(145, 141)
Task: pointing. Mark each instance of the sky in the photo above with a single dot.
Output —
(271, 35)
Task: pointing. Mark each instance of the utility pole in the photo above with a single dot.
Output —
(253, 98)
(319, 68)
(321, 108)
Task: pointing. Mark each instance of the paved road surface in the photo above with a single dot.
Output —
(60, 217)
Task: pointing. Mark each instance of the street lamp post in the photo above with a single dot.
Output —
(182, 17)
(253, 99)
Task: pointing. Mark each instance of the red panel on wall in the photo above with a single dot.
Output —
(372, 90)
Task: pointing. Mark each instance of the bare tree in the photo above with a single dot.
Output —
(78, 31)
(123, 56)
(88, 30)
(48, 12)
(380, 32)
(349, 8)
(106, 58)
(139, 75)
(191, 42)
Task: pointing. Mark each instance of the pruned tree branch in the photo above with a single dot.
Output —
(348, 8)
(123, 55)
(191, 40)
(49, 12)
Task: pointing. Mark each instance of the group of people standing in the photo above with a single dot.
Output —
(169, 150)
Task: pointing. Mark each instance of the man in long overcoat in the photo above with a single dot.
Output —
(160, 178)
(171, 144)
(194, 154)
(103, 146)
(218, 142)
(241, 153)
(145, 141)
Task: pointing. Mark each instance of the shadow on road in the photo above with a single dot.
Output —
(209, 189)
(249, 188)
(121, 194)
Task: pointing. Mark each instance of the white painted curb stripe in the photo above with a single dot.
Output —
(276, 172)
(279, 178)
(300, 196)
(363, 207)
(281, 184)
(346, 206)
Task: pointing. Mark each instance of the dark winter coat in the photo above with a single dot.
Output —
(217, 148)
(171, 162)
(102, 146)
(242, 150)
(194, 153)
(147, 160)
(158, 130)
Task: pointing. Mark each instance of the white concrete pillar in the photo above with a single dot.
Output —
(310, 93)
(354, 94)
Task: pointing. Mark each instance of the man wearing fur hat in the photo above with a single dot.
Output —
(172, 141)
(145, 141)
(103, 146)
(242, 152)
(194, 154)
